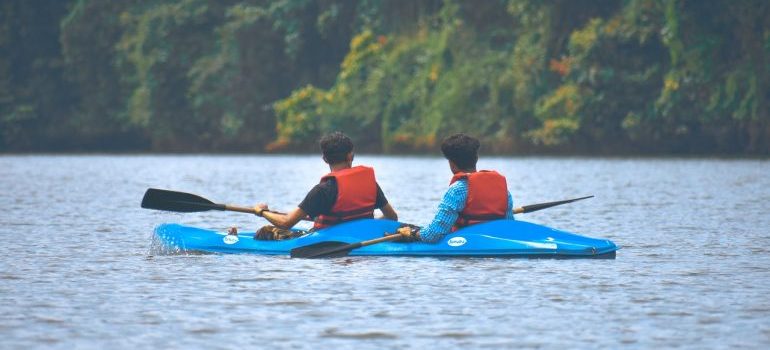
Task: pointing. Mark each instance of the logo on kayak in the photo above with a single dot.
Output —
(230, 239)
(456, 241)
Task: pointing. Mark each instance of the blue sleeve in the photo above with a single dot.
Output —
(448, 211)
(509, 213)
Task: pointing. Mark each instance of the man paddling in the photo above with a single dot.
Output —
(473, 196)
(346, 193)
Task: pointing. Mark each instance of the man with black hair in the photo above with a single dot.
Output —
(473, 196)
(346, 193)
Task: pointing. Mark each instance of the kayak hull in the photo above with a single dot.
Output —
(500, 238)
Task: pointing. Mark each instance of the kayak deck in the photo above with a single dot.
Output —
(500, 238)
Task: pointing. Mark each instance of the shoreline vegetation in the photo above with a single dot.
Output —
(432, 155)
(607, 78)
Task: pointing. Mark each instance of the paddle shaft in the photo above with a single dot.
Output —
(540, 206)
(253, 211)
(374, 241)
(321, 252)
(240, 209)
(189, 203)
(247, 210)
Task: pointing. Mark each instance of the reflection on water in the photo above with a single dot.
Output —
(80, 268)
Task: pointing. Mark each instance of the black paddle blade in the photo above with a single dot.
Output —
(536, 207)
(328, 249)
(177, 201)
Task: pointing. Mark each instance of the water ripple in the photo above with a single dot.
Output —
(694, 260)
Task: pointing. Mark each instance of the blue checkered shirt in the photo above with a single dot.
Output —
(448, 211)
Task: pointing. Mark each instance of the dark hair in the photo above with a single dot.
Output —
(335, 147)
(461, 149)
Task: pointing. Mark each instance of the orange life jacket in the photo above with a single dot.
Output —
(356, 196)
(487, 198)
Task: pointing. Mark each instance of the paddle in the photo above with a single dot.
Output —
(186, 202)
(536, 207)
(334, 249)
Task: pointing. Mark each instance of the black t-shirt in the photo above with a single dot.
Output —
(322, 197)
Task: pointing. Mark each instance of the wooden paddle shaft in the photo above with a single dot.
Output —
(247, 210)
(253, 211)
(240, 209)
(357, 245)
(379, 240)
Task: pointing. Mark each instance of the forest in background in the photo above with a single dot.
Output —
(526, 76)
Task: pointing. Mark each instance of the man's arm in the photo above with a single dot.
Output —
(382, 203)
(388, 212)
(448, 211)
(285, 221)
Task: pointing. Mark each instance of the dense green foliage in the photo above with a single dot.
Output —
(608, 76)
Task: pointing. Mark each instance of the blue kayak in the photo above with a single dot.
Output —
(500, 238)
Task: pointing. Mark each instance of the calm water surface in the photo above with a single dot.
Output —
(78, 268)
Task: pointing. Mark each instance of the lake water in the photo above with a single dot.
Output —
(78, 268)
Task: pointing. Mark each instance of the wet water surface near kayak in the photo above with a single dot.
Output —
(79, 269)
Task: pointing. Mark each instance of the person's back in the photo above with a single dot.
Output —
(346, 193)
(486, 199)
(473, 196)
